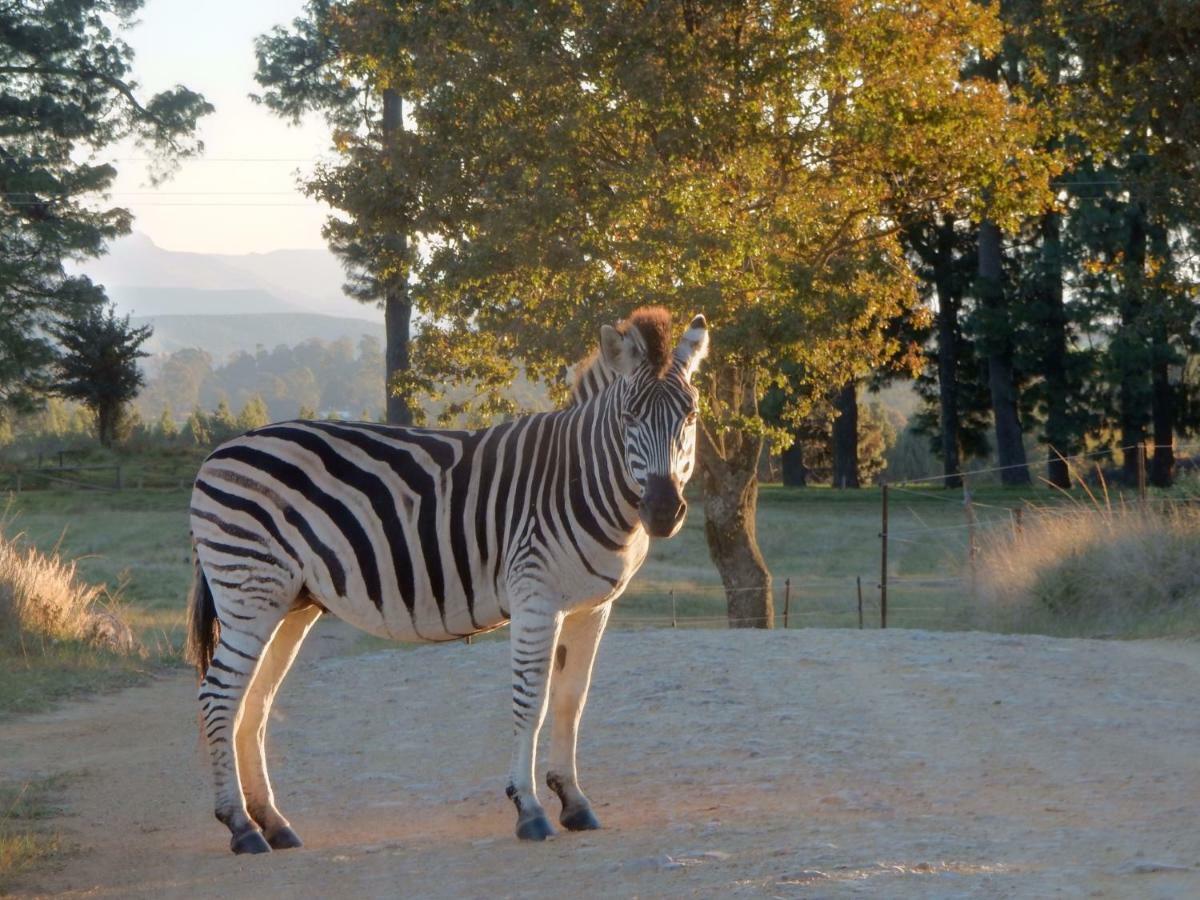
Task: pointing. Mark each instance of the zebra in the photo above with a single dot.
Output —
(434, 535)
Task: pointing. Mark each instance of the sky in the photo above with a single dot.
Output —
(241, 195)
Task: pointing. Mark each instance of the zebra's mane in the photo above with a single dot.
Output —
(652, 324)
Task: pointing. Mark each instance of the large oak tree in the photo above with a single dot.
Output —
(751, 161)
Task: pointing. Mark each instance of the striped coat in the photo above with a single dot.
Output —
(432, 535)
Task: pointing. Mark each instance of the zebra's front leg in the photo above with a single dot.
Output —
(534, 632)
(573, 659)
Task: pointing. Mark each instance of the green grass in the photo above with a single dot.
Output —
(819, 540)
(25, 838)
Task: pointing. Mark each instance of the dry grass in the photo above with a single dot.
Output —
(42, 596)
(26, 841)
(1095, 568)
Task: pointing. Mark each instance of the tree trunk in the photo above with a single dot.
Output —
(1010, 447)
(107, 417)
(1162, 463)
(845, 436)
(1162, 399)
(1059, 435)
(1128, 345)
(791, 463)
(730, 510)
(397, 310)
(728, 464)
(949, 303)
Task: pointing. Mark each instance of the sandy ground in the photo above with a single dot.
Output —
(797, 764)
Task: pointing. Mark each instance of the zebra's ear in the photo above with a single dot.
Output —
(620, 352)
(693, 346)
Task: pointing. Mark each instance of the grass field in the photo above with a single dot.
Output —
(818, 540)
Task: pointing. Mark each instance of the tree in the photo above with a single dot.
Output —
(66, 94)
(167, 429)
(98, 366)
(309, 68)
(749, 161)
(254, 414)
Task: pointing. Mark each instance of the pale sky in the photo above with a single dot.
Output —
(241, 195)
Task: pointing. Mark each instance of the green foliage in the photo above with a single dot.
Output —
(320, 376)
(254, 414)
(98, 365)
(67, 94)
(167, 427)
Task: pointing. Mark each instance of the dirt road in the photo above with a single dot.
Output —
(789, 764)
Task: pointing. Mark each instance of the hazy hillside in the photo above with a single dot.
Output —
(146, 279)
(191, 302)
(223, 335)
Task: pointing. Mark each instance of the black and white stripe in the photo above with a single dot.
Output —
(430, 535)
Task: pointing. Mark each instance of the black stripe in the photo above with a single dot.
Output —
(342, 517)
(250, 508)
(233, 550)
(230, 528)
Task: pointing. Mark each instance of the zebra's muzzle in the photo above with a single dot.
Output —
(662, 508)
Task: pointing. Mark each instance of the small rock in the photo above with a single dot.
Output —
(651, 864)
(804, 876)
(1149, 867)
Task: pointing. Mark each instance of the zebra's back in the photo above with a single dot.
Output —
(396, 530)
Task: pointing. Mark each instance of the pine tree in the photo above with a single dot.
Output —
(66, 95)
(98, 366)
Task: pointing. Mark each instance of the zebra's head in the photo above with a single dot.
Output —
(658, 414)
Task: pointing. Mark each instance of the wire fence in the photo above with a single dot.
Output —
(929, 579)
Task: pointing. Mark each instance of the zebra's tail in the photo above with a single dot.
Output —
(203, 628)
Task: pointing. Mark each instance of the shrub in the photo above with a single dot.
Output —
(43, 596)
(1126, 570)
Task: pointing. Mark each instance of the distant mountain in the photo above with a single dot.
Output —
(224, 335)
(136, 271)
(191, 303)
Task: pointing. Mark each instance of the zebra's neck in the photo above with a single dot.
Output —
(605, 486)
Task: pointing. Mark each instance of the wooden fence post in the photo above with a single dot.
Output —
(1141, 470)
(787, 600)
(883, 572)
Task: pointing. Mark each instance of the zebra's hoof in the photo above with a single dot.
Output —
(535, 828)
(283, 838)
(579, 819)
(249, 842)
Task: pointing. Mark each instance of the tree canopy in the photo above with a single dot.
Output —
(67, 93)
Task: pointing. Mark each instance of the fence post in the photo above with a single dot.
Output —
(858, 579)
(969, 509)
(883, 547)
(1141, 470)
(1018, 521)
(787, 600)
(674, 620)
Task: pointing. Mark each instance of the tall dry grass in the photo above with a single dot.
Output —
(43, 596)
(1095, 568)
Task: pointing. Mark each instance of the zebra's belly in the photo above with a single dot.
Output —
(426, 621)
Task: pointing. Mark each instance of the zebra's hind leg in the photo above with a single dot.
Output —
(534, 633)
(247, 624)
(252, 728)
(573, 659)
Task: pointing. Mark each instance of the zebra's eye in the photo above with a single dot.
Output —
(629, 420)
